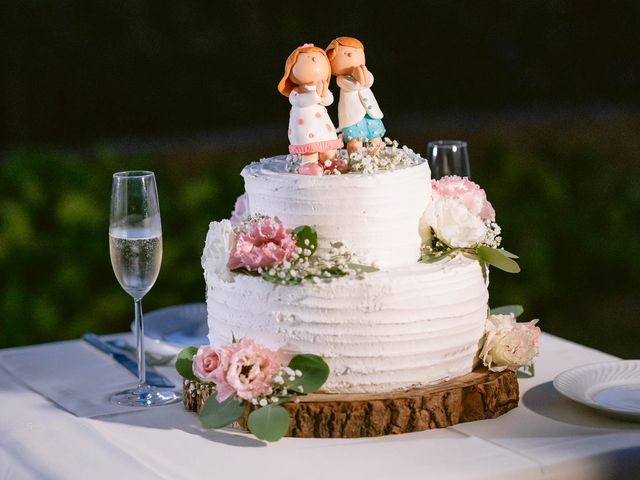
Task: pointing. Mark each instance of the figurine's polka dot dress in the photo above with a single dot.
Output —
(310, 128)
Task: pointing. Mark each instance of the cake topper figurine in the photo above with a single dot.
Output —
(307, 74)
(358, 112)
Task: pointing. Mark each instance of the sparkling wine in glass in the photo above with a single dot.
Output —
(448, 157)
(135, 245)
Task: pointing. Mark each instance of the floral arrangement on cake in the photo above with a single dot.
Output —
(376, 159)
(246, 378)
(388, 155)
(508, 344)
(259, 245)
(461, 219)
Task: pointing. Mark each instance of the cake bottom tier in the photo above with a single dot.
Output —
(391, 330)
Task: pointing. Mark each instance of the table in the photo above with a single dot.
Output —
(547, 436)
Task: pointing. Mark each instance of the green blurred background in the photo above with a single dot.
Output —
(546, 94)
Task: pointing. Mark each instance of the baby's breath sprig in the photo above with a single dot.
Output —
(248, 222)
(292, 163)
(388, 155)
(372, 160)
(308, 265)
(280, 391)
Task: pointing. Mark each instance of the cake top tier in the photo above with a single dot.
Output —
(374, 215)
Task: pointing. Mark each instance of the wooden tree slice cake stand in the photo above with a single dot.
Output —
(478, 395)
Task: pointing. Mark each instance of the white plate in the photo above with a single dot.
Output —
(612, 387)
(177, 326)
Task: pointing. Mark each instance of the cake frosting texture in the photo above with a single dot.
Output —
(393, 329)
(374, 216)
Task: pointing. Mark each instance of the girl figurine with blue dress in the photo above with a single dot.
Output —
(359, 116)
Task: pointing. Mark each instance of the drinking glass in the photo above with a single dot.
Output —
(135, 245)
(448, 157)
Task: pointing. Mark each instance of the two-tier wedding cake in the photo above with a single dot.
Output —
(407, 324)
(350, 272)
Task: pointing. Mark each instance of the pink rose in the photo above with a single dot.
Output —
(467, 192)
(508, 344)
(223, 389)
(205, 362)
(266, 244)
(240, 210)
(245, 369)
(250, 369)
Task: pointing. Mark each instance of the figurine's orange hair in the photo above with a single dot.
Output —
(286, 84)
(345, 42)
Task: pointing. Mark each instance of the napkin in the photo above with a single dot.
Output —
(75, 375)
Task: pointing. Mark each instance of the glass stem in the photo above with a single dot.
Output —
(142, 366)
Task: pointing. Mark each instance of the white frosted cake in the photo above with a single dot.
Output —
(345, 269)
(407, 324)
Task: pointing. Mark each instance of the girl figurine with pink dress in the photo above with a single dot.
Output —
(307, 73)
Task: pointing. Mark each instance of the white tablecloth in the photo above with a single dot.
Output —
(547, 436)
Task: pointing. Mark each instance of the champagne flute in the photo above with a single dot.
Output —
(135, 245)
(448, 157)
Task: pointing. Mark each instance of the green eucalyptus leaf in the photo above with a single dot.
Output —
(285, 399)
(184, 362)
(335, 272)
(508, 254)
(306, 237)
(434, 259)
(314, 373)
(245, 271)
(218, 415)
(495, 257)
(362, 268)
(281, 281)
(517, 310)
(269, 423)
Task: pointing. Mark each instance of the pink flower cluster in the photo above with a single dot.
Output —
(467, 192)
(244, 369)
(267, 243)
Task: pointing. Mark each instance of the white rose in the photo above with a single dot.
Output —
(240, 210)
(454, 224)
(424, 226)
(217, 248)
(508, 344)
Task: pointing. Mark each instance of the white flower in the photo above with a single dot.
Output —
(454, 224)
(424, 226)
(240, 210)
(217, 248)
(508, 344)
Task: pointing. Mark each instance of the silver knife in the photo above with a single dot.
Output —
(154, 378)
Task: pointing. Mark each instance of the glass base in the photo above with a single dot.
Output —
(145, 396)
